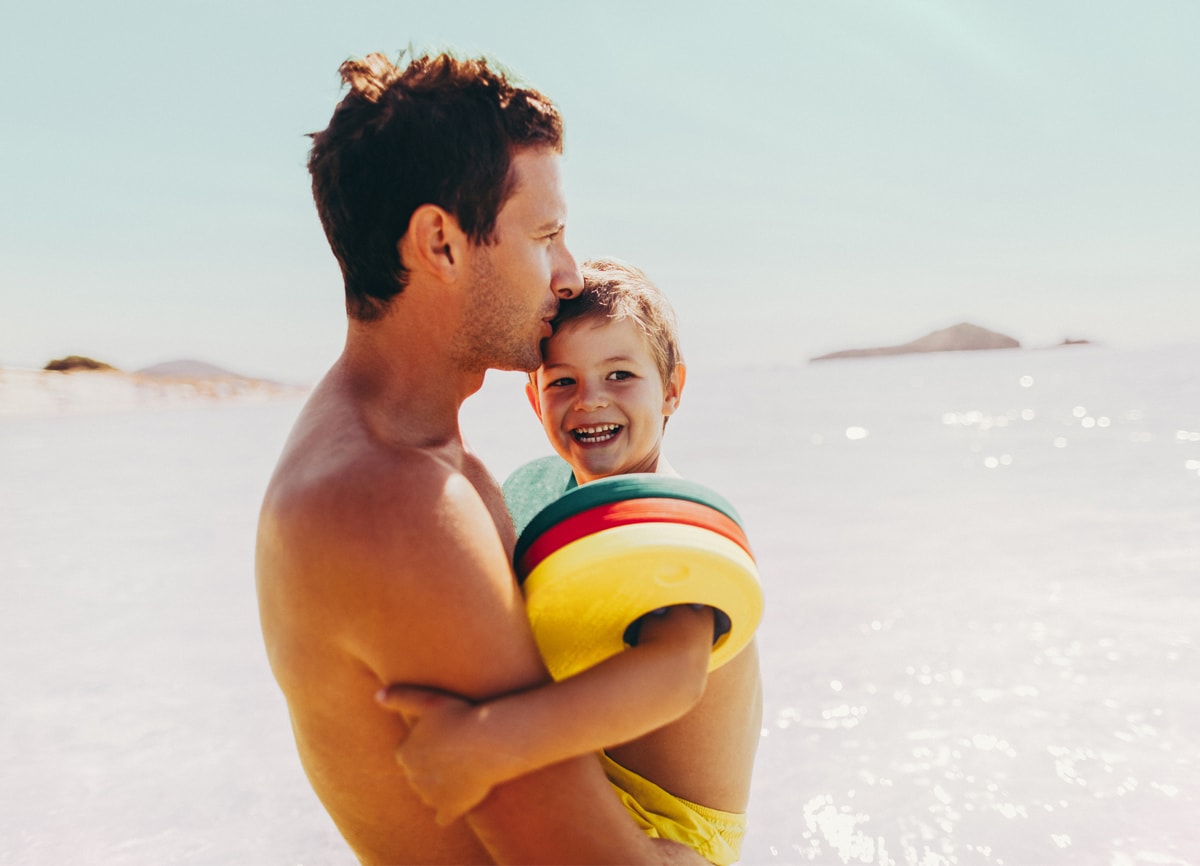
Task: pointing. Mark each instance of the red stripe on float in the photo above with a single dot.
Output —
(623, 513)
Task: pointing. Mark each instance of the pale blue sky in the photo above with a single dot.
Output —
(798, 176)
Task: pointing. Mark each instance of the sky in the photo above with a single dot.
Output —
(798, 177)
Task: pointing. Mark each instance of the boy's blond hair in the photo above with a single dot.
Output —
(614, 290)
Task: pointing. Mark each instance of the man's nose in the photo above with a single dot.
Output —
(567, 281)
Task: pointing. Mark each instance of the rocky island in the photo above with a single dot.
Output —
(963, 337)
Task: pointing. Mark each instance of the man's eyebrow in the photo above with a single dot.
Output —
(551, 226)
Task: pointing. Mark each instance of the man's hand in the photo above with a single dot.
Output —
(445, 758)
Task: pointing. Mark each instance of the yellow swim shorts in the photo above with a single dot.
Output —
(713, 834)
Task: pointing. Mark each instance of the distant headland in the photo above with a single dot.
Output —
(963, 337)
(77, 383)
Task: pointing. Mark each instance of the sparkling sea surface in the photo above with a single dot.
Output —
(981, 643)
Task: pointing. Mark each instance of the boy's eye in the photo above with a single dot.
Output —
(561, 382)
(620, 375)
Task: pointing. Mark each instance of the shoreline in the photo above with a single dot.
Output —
(28, 392)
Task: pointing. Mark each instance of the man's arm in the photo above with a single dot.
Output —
(437, 606)
(456, 752)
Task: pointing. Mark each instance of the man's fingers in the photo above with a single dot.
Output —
(412, 702)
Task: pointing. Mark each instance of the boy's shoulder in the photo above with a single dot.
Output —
(532, 487)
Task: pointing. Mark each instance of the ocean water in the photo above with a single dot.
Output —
(981, 644)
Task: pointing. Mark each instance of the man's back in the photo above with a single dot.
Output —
(337, 489)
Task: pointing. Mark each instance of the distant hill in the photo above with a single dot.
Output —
(189, 369)
(79, 384)
(963, 337)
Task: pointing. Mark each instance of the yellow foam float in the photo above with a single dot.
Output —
(602, 556)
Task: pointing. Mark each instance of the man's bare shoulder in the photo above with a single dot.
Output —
(333, 470)
(384, 548)
(339, 485)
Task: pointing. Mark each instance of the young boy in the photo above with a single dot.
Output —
(677, 743)
(623, 311)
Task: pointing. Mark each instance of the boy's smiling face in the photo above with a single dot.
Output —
(601, 398)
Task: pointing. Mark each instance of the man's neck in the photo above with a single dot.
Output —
(404, 380)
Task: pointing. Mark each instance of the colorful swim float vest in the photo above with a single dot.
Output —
(596, 560)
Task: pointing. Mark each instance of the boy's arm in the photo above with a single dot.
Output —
(457, 751)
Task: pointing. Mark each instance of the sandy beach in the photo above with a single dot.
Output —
(28, 392)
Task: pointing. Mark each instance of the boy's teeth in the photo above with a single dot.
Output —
(596, 433)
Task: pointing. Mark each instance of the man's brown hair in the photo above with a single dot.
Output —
(440, 131)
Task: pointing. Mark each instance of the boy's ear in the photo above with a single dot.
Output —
(434, 243)
(674, 390)
(531, 392)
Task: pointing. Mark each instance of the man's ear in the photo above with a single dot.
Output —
(434, 243)
(674, 390)
(531, 392)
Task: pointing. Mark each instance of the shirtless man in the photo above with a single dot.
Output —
(384, 544)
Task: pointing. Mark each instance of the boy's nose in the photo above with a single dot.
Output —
(588, 399)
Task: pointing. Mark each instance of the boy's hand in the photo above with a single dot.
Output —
(443, 759)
